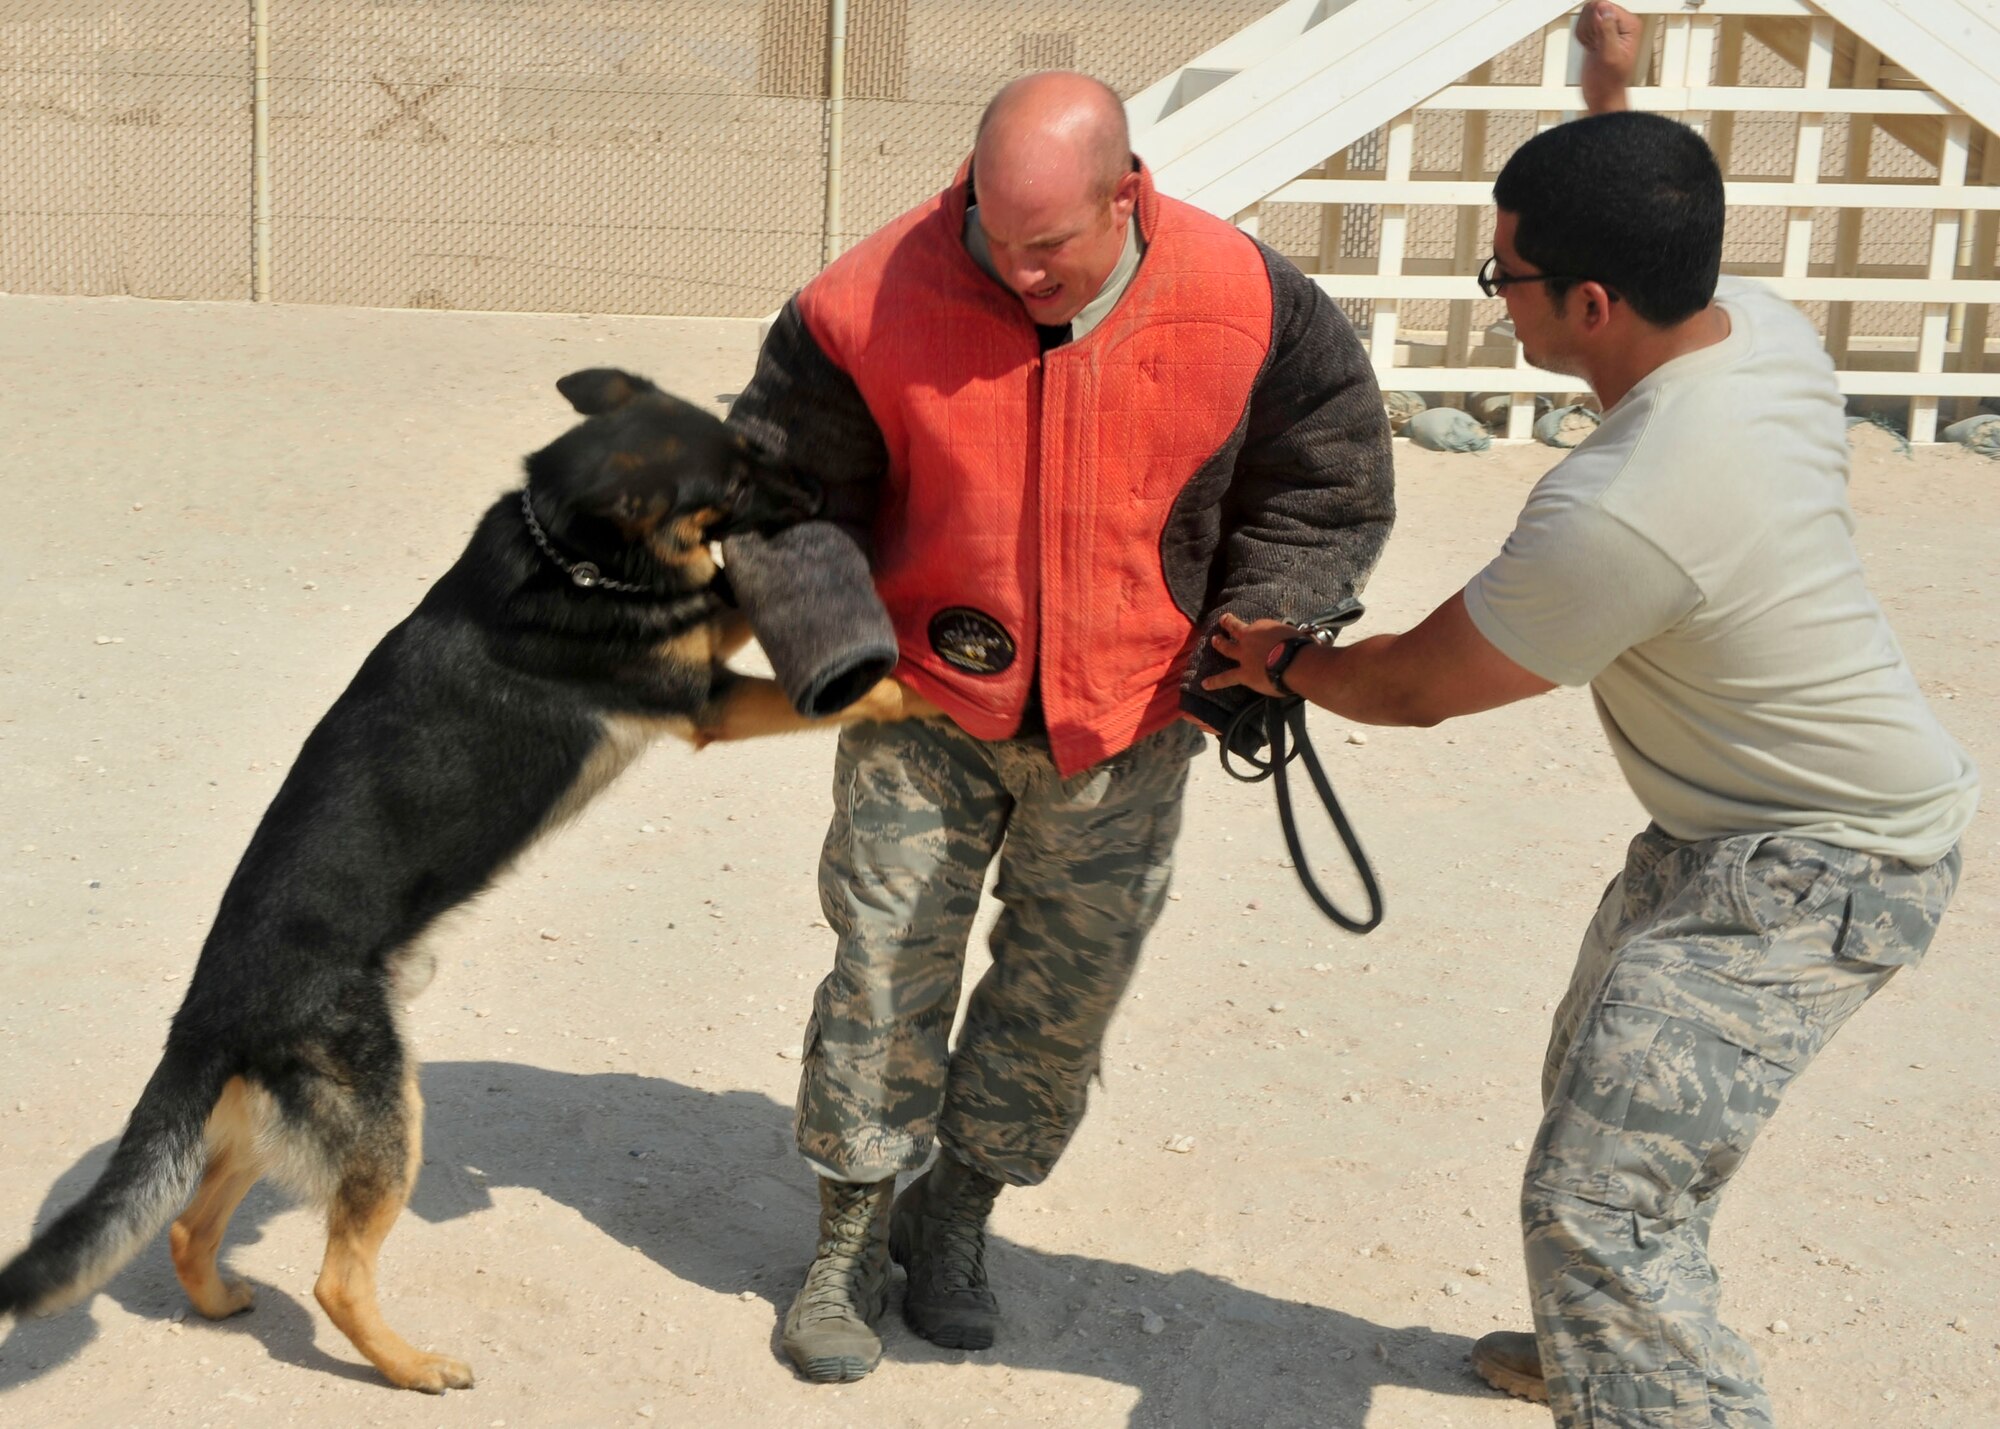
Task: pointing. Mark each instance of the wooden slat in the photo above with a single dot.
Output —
(1465, 241)
(1411, 286)
(1867, 71)
(1944, 263)
(1556, 45)
(1670, 99)
(1783, 9)
(1810, 148)
(1533, 380)
(1985, 236)
(1743, 194)
(1396, 160)
(1700, 63)
(1728, 74)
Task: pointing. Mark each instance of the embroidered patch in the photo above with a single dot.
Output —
(971, 640)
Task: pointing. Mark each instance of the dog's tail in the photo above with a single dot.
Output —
(152, 1174)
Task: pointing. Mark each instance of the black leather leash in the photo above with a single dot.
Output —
(1285, 732)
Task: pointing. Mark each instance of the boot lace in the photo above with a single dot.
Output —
(958, 1251)
(838, 1262)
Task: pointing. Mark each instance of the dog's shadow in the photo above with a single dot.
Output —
(708, 1185)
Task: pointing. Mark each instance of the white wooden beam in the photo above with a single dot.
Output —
(1950, 45)
(1809, 148)
(1922, 194)
(1985, 237)
(1465, 240)
(1396, 160)
(1728, 75)
(1678, 98)
(1930, 291)
(1777, 9)
(1340, 80)
(1944, 264)
(1251, 45)
(1847, 238)
(1533, 380)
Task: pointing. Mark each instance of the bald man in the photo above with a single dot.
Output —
(1067, 421)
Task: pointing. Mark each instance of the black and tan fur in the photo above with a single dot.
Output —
(493, 712)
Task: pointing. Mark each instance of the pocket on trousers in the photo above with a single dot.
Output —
(1641, 1108)
(1783, 881)
(1670, 1399)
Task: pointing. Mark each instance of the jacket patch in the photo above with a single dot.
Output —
(971, 640)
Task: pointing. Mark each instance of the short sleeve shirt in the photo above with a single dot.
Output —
(1693, 562)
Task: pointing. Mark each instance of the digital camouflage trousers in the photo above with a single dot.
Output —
(920, 810)
(1711, 976)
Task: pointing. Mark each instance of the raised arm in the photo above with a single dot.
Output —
(1610, 36)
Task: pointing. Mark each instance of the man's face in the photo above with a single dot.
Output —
(1539, 327)
(1054, 241)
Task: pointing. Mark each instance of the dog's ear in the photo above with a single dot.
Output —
(596, 390)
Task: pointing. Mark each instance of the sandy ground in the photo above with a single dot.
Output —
(214, 511)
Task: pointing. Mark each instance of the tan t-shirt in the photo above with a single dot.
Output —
(1693, 561)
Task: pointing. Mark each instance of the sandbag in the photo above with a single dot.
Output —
(1400, 407)
(1447, 429)
(1496, 409)
(1566, 426)
(1876, 434)
(1981, 434)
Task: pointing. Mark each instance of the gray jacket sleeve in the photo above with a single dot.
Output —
(1312, 497)
(807, 590)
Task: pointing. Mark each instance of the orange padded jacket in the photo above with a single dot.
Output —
(1216, 442)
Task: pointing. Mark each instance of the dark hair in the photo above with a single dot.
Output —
(1632, 200)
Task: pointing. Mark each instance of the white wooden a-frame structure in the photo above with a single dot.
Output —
(1857, 138)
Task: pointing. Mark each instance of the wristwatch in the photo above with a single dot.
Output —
(1281, 657)
(1323, 629)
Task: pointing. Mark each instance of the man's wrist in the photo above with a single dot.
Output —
(1279, 661)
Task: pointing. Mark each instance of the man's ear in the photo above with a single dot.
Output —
(1125, 198)
(1597, 302)
(597, 390)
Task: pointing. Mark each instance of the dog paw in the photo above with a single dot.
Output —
(236, 1297)
(433, 1374)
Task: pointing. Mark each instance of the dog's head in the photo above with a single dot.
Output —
(661, 473)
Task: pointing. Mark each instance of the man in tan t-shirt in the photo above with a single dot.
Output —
(1693, 563)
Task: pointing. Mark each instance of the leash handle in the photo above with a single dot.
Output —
(1294, 718)
(1283, 718)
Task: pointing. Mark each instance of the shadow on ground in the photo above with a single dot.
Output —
(729, 1207)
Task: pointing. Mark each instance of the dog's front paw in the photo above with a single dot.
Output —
(232, 1297)
(431, 1374)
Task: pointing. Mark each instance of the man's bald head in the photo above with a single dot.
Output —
(1056, 190)
(1053, 123)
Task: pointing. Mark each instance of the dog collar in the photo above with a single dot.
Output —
(585, 574)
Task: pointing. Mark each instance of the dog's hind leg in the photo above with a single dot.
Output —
(233, 1168)
(374, 1185)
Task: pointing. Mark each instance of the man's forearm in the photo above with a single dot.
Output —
(1380, 680)
(1441, 668)
(1610, 35)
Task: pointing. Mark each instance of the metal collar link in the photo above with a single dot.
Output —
(582, 573)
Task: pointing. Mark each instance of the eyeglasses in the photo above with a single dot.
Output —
(1491, 286)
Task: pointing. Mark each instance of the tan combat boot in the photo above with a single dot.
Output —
(828, 1332)
(1509, 1360)
(937, 1233)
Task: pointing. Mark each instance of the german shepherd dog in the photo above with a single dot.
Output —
(585, 617)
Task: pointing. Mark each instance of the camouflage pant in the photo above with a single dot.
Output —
(1711, 975)
(920, 809)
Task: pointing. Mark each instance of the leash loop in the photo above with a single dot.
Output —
(1285, 732)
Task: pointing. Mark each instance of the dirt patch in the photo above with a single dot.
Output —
(1293, 1201)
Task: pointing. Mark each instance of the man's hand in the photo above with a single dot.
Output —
(1609, 35)
(1249, 645)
